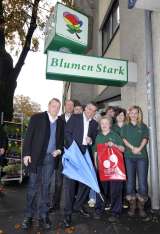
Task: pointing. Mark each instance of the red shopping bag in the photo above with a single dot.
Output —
(110, 163)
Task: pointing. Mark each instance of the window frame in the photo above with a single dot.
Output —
(110, 20)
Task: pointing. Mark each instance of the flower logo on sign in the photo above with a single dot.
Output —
(73, 23)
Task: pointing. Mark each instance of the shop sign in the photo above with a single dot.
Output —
(86, 69)
(66, 28)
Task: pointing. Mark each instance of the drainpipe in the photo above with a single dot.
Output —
(155, 203)
(65, 50)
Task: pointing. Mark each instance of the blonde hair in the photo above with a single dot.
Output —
(54, 99)
(108, 118)
(140, 114)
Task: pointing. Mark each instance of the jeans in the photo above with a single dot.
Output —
(139, 167)
(56, 188)
(38, 189)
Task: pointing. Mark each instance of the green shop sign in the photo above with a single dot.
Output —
(66, 28)
(86, 69)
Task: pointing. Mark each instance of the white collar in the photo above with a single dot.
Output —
(86, 119)
(51, 119)
(68, 114)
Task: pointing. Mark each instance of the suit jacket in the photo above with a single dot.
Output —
(37, 139)
(74, 130)
(63, 118)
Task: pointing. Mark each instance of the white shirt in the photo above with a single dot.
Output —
(67, 116)
(51, 119)
(86, 127)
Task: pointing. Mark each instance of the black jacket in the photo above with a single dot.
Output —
(63, 118)
(74, 130)
(37, 139)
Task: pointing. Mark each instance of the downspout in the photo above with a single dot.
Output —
(155, 203)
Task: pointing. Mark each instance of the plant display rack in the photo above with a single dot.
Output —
(14, 169)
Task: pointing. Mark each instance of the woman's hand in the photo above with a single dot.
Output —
(136, 150)
(110, 143)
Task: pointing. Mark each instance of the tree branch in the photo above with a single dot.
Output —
(2, 36)
(28, 40)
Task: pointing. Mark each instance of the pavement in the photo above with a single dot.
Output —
(12, 204)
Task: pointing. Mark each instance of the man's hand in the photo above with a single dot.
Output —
(88, 140)
(27, 160)
(2, 151)
(56, 153)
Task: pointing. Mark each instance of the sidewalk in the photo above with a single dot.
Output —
(12, 205)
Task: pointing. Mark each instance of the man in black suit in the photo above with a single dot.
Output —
(81, 128)
(69, 108)
(58, 177)
(43, 146)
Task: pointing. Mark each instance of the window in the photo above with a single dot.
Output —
(110, 26)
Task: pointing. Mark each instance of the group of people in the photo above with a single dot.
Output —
(44, 143)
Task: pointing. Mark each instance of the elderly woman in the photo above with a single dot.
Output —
(111, 138)
(135, 137)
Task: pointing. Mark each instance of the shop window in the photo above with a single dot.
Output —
(110, 26)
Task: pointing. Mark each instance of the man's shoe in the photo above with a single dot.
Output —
(125, 204)
(27, 223)
(46, 223)
(84, 213)
(67, 221)
(107, 206)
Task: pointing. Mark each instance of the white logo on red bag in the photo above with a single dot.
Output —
(111, 162)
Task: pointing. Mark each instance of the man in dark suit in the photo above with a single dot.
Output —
(81, 128)
(43, 146)
(58, 177)
(69, 108)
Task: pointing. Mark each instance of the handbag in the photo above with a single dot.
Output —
(110, 163)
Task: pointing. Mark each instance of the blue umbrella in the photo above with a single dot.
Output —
(79, 167)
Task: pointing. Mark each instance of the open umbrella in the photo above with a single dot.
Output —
(79, 167)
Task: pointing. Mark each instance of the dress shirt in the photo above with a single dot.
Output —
(86, 127)
(67, 116)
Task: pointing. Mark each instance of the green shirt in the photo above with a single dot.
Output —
(117, 129)
(134, 134)
(111, 136)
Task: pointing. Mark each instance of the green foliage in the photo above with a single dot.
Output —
(25, 105)
(12, 169)
(68, 2)
(17, 17)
